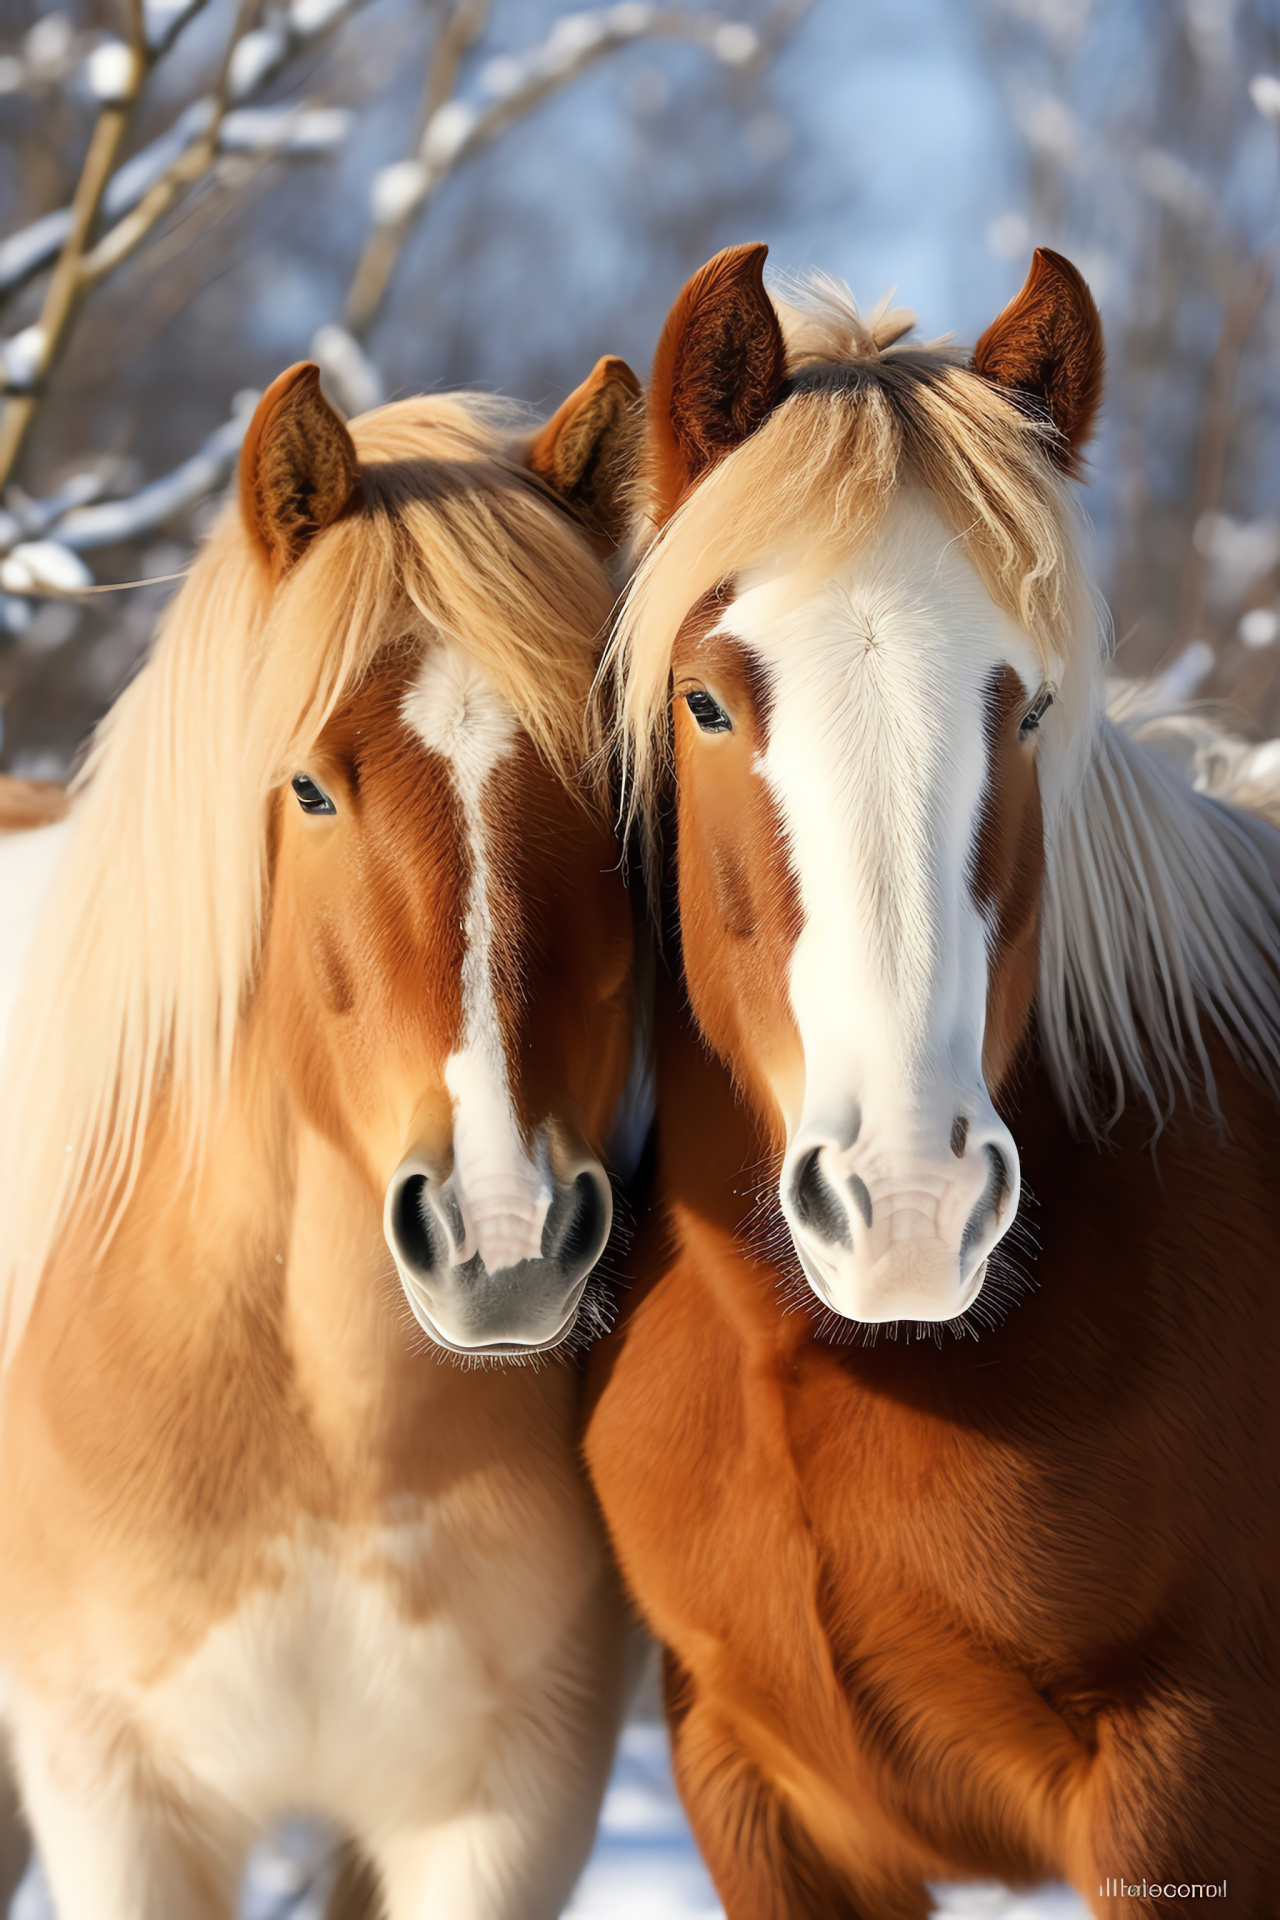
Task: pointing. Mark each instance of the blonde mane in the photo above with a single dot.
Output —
(145, 957)
(1160, 904)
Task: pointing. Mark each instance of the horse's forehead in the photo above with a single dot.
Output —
(909, 601)
(457, 712)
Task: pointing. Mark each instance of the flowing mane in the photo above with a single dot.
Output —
(145, 958)
(1161, 904)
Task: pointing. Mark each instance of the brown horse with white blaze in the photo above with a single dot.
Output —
(947, 938)
(332, 985)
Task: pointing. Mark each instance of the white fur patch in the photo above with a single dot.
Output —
(465, 1743)
(503, 1194)
(877, 762)
(456, 712)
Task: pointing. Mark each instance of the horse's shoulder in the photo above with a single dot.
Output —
(31, 803)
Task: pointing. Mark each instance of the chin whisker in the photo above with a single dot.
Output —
(765, 1238)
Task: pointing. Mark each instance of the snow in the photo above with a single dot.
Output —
(644, 1866)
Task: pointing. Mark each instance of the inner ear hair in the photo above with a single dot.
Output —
(298, 467)
(588, 449)
(717, 373)
(1048, 344)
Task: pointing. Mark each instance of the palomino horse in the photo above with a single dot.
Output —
(934, 1607)
(337, 947)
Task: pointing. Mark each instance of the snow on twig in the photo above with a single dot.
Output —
(111, 523)
(23, 253)
(135, 194)
(515, 84)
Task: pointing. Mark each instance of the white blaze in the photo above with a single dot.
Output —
(503, 1195)
(877, 763)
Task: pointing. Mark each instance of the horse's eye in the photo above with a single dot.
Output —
(310, 798)
(708, 713)
(1035, 714)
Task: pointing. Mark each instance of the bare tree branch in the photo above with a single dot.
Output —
(119, 81)
(455, 131)
(111, 523)
(462, 28)
(45, 538)
(22, 254)
(128, 233)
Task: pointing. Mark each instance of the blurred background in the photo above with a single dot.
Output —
(491, 193)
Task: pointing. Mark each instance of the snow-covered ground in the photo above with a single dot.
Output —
(644, 1867)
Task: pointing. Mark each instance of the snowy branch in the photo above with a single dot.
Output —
(41, 541)
(515, 85)
(256, 58)
(116, 75)
(45, 538)
(113, 523)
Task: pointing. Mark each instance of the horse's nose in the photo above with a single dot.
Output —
(527, 1299)
(888, 1230)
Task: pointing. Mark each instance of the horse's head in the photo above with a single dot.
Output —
(446, 975)
(861, 569)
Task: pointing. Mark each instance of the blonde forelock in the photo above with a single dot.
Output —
(812, 485)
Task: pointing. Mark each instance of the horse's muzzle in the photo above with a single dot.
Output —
(528, 1300)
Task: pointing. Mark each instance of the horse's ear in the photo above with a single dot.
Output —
(298, 467)
(587, 450)
(717, 373)
(1048, 343)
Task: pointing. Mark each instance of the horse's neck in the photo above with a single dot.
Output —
(362, 1366)
(716, 1172)
(274, 1249)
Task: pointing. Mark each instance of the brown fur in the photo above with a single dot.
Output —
(717, 371)
(1048, 344)
(946, 1610)
(1008, 870)
(30, 803)
(735, 884)
(1001, 1609)
(355, 1894)
(587, 449)
(298, 467)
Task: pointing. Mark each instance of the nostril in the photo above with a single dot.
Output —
(817, 1207)
(577, 1223)
(959, 1135)
(586, 1227)
(994, 1194)
(418, 1234)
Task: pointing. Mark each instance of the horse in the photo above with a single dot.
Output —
(937, 1439)
(312, 1068)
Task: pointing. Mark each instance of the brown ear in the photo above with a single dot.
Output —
(298, 467)
(717, 373)
(1048, 343)
(587, 450)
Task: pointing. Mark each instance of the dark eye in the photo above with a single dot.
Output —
(310, 798)
(1035, 714)
(708, 713)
